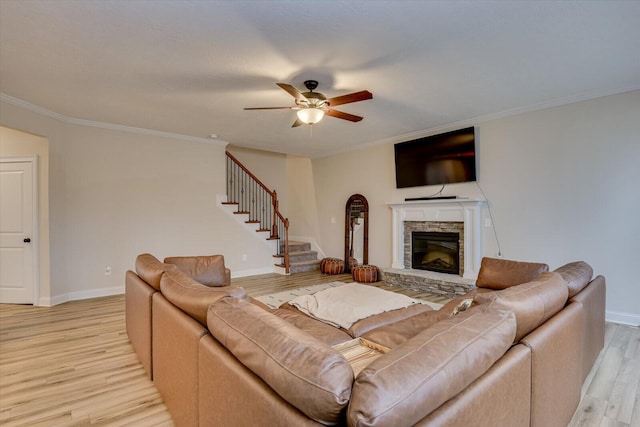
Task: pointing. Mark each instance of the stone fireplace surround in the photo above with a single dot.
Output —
(457, 215)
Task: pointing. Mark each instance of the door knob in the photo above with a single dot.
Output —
(27, 240)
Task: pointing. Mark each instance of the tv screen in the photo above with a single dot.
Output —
(440, 159)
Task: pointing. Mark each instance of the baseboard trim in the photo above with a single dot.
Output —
(51, 301)
(630, 319)
(80, 295)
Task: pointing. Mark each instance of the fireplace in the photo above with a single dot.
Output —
(462, 216)
(435, 251)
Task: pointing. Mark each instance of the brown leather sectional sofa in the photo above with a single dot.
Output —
(517, 357)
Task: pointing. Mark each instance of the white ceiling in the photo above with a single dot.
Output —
(189, 67)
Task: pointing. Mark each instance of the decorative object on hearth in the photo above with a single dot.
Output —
(366, 274)
(331, 266)
(356, 231)
(312, 106)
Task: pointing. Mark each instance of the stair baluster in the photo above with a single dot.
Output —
(255, 199)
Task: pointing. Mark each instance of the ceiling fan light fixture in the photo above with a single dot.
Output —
(310, 115)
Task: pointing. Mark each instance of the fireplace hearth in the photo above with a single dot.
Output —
(435, 251)
(461, 216)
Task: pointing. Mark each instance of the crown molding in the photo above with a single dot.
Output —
(102, 125)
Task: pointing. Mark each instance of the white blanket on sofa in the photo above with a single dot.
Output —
(344, 305)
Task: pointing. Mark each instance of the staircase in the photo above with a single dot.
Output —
(252, 198)
(301, 258)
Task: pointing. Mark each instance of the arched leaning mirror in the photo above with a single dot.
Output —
(356, 232)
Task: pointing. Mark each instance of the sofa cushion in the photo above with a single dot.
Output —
(577, 275)
(317, 329)
(532, 303)
(307, 373)
(394, 334)
(367, 324)
(208, 270)
(406, 384)
(501, 273)
(150, 269)
(193, 297)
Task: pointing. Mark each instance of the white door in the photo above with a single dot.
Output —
(17, 272)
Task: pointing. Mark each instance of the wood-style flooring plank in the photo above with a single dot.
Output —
(611, 392)
(73, 364)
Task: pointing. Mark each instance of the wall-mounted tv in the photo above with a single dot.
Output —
(439, 159)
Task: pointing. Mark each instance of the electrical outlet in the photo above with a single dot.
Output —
(107, 270)
(333, 220)
(487, 222)
(244, 257)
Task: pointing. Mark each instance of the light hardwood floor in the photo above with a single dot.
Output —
(72, 364)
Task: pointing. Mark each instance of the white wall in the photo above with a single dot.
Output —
(302, 208)
(368, 172)
(116, 194)
(563, 184)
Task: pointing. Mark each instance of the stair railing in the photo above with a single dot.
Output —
(259, 202)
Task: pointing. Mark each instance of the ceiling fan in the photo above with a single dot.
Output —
(312, 106)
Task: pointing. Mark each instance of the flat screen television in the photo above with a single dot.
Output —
(434, 160)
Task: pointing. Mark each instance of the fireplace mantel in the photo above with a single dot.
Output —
(468, 211)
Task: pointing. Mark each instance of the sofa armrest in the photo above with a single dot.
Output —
(176, 343)
(593, 299)
(556, 358)
(138, 295)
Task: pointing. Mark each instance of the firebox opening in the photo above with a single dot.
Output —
(435, 251)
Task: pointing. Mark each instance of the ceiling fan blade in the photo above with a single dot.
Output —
(342, 115)
(293, 92)
(271, 108)
(297, 123)
(352, 97)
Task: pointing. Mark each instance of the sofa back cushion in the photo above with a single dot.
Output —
(501, 273)
(150, 269)
(305, 372)
(208, 270)
(317, 329)
(193, 297)
(408, 383)
(532, 303)
(577, 275)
